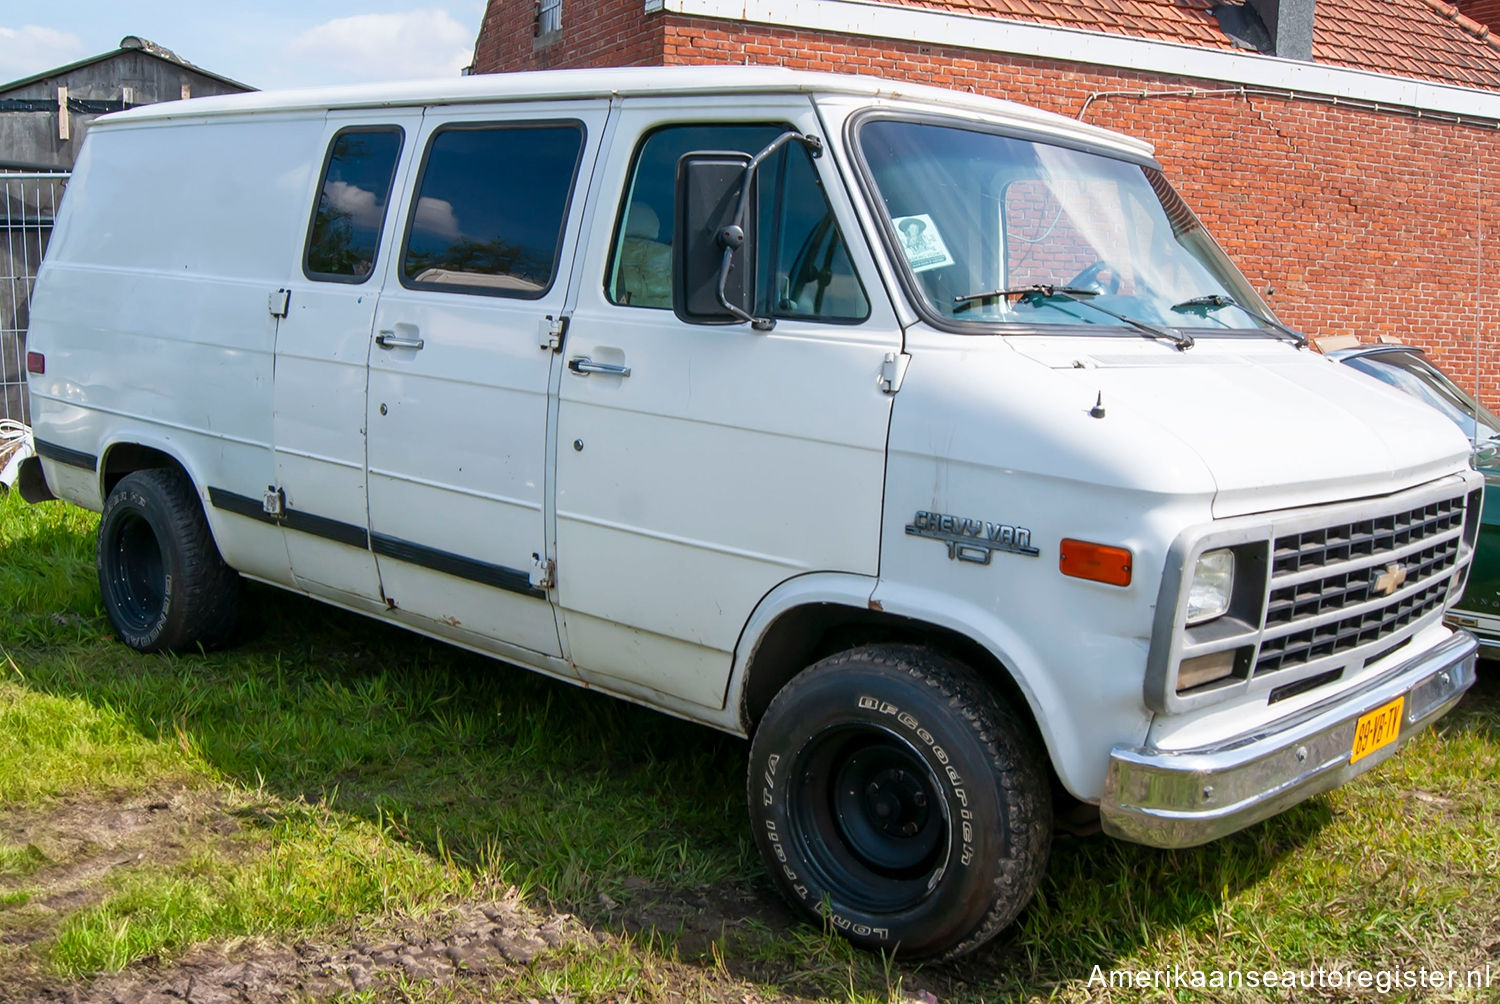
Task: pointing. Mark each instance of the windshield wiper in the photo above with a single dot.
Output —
(1214, 301)
(1046, 291)
(1037, 289)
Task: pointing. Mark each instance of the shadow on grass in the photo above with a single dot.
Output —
(623, 815)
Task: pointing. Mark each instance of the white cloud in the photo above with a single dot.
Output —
(403, 45)
(32, 49)
(359, 203)
(436, 216)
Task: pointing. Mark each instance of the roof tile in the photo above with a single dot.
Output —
(1425, 39)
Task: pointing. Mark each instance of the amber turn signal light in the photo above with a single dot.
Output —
(1099, 562)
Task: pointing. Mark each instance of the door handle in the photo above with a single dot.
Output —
(583, 366)
(391, 340)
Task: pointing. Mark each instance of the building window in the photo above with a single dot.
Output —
(548, 16)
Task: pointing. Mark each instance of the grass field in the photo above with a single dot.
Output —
(331, 779)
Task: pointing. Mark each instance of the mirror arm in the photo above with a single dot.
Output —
(732, 237)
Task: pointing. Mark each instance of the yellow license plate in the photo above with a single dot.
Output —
(1377, 729)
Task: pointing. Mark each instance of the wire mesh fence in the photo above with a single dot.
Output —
(28, 205)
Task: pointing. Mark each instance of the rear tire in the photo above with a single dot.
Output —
(164, 584)
(894, 797)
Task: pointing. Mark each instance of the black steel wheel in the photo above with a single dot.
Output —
(895, 798)
(163, 582)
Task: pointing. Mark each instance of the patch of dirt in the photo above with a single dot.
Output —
(694, 920)
(473, 944)
(85, 839)
(471, 953)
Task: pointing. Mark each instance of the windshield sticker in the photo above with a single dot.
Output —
(922, 243)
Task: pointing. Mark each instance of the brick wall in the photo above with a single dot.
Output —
(1364, 222)
(594, 33)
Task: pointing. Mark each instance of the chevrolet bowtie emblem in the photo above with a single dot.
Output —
(1388, 581)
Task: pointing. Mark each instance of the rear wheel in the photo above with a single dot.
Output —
(163, 582)
(896, 799)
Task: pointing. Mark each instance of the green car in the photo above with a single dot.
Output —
(1406, 368)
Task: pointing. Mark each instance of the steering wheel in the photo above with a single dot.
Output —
(1102, 276)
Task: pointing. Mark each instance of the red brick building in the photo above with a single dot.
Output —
(1346, 152)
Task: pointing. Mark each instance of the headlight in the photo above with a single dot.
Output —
(1212, 584)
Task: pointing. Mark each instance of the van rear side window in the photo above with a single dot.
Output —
(344, 238)
(490, 207)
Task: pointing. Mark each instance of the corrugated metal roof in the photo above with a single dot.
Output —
(130, 43)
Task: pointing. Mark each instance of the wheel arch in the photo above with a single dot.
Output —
(126, 455)
(814, 616)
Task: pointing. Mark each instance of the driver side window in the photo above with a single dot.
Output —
(804, 266)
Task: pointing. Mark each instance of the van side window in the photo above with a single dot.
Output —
(344, 238)
(804, 264)
(490, 207)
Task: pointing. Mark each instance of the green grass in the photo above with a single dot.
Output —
(18, 862)
(395, 775)
(316, 871)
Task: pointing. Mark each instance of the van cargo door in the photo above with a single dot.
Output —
(322, 345)
(458, 375)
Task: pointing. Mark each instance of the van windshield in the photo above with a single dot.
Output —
(998, 229)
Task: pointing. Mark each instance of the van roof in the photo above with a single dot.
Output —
(616, 82)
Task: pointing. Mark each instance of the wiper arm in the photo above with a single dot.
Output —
(1046, 291)
(1042, 290)
(1216, 300)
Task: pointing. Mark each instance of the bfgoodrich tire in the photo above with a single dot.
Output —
(894, 797)
(165, 586)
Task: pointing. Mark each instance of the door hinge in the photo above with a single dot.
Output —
(550, 333)
(274, 502)
(543, 572)
(278, 302)
(893, 371)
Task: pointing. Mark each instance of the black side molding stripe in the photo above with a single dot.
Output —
(318, 526)
(499, 576)
(63, 455)
(240, 505)
(510, 579)
(331, 529)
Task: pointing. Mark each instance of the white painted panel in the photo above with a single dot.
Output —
(728, 462)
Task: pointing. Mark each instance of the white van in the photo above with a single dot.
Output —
(927, 440)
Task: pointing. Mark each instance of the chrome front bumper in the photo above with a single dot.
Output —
(1181, 798)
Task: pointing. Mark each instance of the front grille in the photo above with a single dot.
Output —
(1345, 589)
(1387, 572)
(1334, 544)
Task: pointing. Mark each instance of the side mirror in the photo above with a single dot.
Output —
(714, 252)
(1481, 457)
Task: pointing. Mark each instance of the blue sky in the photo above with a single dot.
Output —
(267, 44)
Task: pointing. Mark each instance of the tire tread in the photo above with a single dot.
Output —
(205, 591)
(1015, 758)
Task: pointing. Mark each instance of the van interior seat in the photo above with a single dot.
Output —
(644, 277)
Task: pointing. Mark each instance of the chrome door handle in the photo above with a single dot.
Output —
(583, 366)
(391, 340)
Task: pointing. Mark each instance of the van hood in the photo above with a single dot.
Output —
(1275, 426)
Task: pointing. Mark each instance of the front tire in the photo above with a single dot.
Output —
(895, 798)
(164, 584)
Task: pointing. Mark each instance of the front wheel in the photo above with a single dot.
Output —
(896, 799)
(164, 584)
